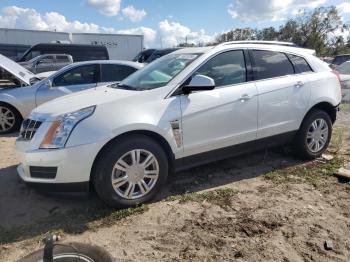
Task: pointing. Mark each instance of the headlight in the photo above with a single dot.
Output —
(62, 127)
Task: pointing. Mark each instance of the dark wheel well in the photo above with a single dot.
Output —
(156, 137)
(11, 106)
(328, 108)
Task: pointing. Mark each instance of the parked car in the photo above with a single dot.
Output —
(45, 63)
(14, 75)
(339, 59)
(159, 53)
(78, 52)
(344, 75)
(143, 55)
(16, 103)
(187, 108)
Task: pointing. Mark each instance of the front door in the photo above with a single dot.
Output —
(224, 116)
(73, 80)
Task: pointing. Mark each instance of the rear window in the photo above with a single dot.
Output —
(270, 64)
(115, 73)
(300, 64)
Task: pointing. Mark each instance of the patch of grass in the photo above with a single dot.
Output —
(312, 173)
(336, 141)
(219, 197)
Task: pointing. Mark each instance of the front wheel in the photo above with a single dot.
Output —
(314, 134)
(10, 119)
(130, 171)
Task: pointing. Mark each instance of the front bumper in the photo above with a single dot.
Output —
(73, 164)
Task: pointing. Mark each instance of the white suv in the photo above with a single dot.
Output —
(190, 107)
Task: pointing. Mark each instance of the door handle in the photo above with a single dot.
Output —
(299, 84)
(245, 97)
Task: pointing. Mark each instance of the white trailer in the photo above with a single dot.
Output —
(119, 46)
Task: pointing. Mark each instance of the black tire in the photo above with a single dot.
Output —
(18, 119)
(108, 158)
(95, 253)
(300, 145)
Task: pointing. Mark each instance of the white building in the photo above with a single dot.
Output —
(119, 46)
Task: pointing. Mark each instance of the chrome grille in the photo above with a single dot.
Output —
(29, 128)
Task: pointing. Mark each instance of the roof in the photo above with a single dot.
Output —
(117, 62)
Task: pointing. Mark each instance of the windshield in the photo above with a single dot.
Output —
(158, 73)
(344, 68)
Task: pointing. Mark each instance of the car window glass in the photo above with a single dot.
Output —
(226, 68)
(62, 59)
(300, 64)
(344, 68)
(115, 73)
(46, 60)
(77, 76)
(269, 64)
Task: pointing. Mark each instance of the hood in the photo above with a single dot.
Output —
(79, 100)
(15, 69)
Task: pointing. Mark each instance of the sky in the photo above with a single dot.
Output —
(162, 22)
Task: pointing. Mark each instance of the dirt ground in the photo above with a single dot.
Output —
(266, 206)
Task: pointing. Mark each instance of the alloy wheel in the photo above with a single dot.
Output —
(317, 135)
(135, 174)
(7, 119)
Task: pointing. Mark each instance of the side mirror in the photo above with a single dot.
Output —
(199, 83)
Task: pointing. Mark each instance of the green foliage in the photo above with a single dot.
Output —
(318, 30)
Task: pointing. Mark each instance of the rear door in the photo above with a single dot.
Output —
(283, 93)
(73, 80)
(111, 73)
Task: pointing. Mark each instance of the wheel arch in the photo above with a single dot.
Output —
(151, 134)
(329, 108)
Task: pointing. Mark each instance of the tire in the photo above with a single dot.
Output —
(121, 149)
(302, 142)
(95, 253)
(6, 112)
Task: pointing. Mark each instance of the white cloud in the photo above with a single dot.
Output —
(173, 33)
(344, 7)
(265, 10)
(167, 34)
(106, 7)
(134, 14)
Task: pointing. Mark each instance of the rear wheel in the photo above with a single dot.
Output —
(10, 119)
(130, 171)
(314, 134)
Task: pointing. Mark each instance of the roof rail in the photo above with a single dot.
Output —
(259, 42)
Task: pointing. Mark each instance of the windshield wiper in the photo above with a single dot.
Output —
(122, 86)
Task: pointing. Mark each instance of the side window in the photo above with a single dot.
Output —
(62, 59)
(269, 64)
(227, 68)
(115, 73)
(77, 76)
(300, 64)
(46, 60)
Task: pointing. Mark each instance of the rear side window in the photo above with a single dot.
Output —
(270, 64)
(300, 64)
(62, 59)
(115, 73)
(80, 75)
(226, 68)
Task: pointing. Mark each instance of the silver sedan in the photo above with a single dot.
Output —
(17, 103)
